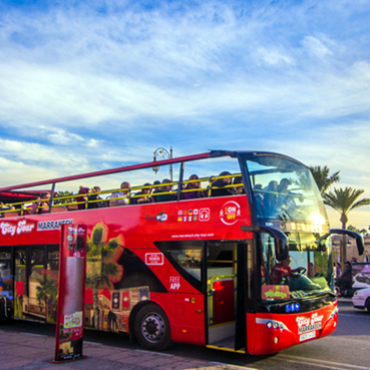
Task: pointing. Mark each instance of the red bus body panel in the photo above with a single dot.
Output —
(139, 227)
(263, 340)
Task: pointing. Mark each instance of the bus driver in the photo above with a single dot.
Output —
(282, 270)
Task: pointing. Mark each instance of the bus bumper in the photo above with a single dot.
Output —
(271, 333)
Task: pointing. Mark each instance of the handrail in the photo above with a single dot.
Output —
(111, 171)
(211, 281)
(23, 207)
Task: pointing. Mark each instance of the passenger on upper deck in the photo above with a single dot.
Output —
(283, 187)
(82, 198)
(270, 198)
(124, 193)
(5, 207)
(221, 183)
(239, 186)
(156, 189)
(285, 196)
(95, 201)
(42, 204)
(165, 189)
(143, 196)
(196, 186)
(258, 200)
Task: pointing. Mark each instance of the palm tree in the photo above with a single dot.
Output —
(363, 232)
(323, 179)
(102, 267)
(46, 290)
(344, 201)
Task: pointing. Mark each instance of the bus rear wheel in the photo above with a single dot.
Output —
(152, 328)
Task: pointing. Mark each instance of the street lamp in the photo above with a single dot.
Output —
(162, 153)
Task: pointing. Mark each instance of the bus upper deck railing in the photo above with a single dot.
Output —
(73, 201)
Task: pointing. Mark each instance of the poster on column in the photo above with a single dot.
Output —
(72, 274)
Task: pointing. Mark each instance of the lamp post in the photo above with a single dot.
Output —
(162, 153)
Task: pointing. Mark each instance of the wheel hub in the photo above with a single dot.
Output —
(152, 328)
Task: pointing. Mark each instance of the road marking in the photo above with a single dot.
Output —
(234, 366)
(93, 343)
(154, 353)
(34, 335)
(312, 361)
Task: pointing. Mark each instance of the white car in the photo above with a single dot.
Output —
(361, 299)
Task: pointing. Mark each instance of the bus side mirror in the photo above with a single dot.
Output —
(352, 234)
(280, 239)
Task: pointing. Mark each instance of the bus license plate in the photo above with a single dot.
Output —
(310, 335)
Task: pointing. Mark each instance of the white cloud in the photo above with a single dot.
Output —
(315, 47)
(275, 57)
(86, 69)
(61, 137)
(82, 90)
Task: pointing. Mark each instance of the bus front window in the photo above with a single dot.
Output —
(305, 273)
(286, 197)
(285, 190)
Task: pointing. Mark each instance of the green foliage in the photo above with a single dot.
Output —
(323, 179)
(363, 232)
(102, 255)
(344, 201)
(63, 194)
(47, 288)
(97, 236)
(102, 267)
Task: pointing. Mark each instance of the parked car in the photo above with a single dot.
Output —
(361, 281)
(361, 299)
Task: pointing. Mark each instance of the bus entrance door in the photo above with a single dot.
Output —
(222, 284)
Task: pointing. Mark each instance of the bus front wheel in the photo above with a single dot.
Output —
(152, 328)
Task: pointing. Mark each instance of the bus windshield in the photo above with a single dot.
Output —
(286, 197)
(284, 190)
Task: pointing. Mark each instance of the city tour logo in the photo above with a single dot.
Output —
(230, 213)
(16, 228)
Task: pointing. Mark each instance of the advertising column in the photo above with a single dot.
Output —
(72, 274)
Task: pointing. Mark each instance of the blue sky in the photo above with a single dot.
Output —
(86, 86)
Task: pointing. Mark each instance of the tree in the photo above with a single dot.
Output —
(323, 179)
(363, 232)
(47, 290)
(344, 201)
(102, 267)
(64, 197)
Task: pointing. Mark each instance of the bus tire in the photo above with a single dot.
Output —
(152, 328)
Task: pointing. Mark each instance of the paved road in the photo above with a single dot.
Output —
(347, 349)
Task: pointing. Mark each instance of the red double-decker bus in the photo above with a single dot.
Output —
(233, 253)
